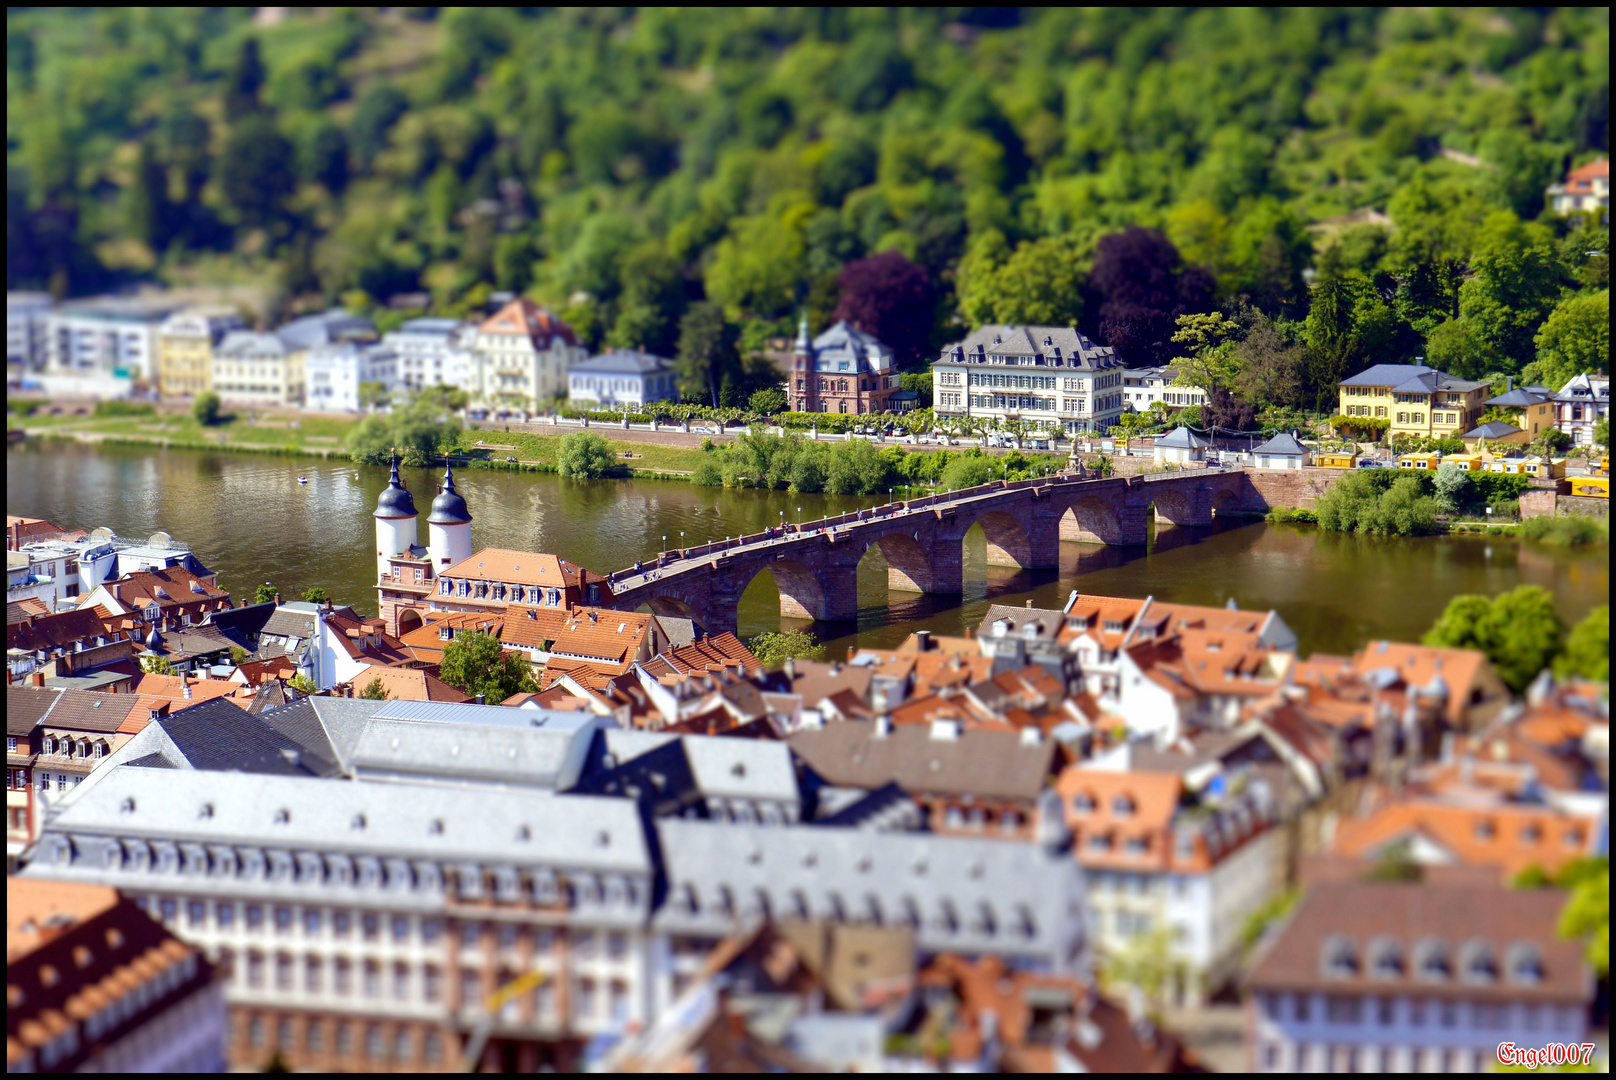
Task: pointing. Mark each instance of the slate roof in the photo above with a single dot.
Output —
(242, 625)
(1517, 398)
(87, 710)
(1409, 378)
(1284, 443)
(1492, 429)
(844, 343)
(249, 345)
(547, 757)
(295, 619)
(623, 362)
(449, 508)
(221, 736)
(1060, 346)
(989, 764)
(1182, 438)
(325, 328)
(59, 630)
(406, 820)
(26, 706)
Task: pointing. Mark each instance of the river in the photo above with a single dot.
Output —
(247, 517)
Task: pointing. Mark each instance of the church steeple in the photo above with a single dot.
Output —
(803, 344)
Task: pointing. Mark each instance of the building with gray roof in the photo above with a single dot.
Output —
(1182, 445)
(623, 378)
(1283, 451)
(1054, 376)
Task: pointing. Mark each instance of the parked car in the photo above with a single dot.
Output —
(509, 458)
(1370, 463)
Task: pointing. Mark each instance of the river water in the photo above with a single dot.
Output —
(247, 518)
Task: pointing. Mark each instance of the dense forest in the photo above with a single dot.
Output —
(1344, 186)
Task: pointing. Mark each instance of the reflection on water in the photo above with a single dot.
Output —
(248, 518)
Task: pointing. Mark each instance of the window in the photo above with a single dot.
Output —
(314, 1037)
(375, 1045)
(401, 982)
(1083, 803)
(373, 979)
(431, 984)
(403, 1045)
(311, 921)
(1386, 1011)
(587, 998)
(471, 988)
(401, 928)
(371, 926)
(255, 917)
(313, 974)
(283, 973)
(168, 909)
(583, 944)
(1341, 1009)
(255, 1032)
(430, 930)
(1304, 1007)
(343, 980)
(255, 970)
(341, 923)
(283, 920)
(196, 913)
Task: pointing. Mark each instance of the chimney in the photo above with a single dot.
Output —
(852, 651)
(37, 679)
(277, 598)
(922, 640)
(481, 699)
(185, 684)
(1031, 736)
(945, 730)
(1029, 603)
(883, 727)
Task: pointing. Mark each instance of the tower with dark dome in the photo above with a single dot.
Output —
(448, 530)
(395, 522)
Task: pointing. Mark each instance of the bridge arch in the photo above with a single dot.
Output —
(1092, 520)
(1174, 505)
(674, 608)
(408, 619)
(801, 594)
(910, 564)
(1008, 541)
(1225, 502)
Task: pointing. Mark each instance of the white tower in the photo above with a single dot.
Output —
(395, 522)
(448, 530)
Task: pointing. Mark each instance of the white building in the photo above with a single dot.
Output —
(334, 373)
(521, 355)
(1580, 405)
(1049, 375)
(623, 377)
(256, 369)
(1144, 387)
(26, 317)
(1585, 190)
(105, 336)
(1283, 451)
(1181, 446)
(1418, 977)
(432, 352)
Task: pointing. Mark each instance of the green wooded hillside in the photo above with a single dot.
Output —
(626, 166)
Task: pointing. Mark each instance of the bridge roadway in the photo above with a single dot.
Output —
(815, 564)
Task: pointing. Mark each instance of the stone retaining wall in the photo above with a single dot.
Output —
(1297, 489)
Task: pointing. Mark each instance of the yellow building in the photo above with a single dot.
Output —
(1335, 459)
(1529, 465)
(1427, 461)
(1591, 487)
(1471, 462)
(1414, 400)
(1533, 412)
(185, 350)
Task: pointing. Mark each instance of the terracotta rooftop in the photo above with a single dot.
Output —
(1510, 837)
(404, 684)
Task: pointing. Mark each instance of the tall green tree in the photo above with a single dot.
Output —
(708, 354)
(256, 170)
(148, 214)
(244, 82)
(1587, 650)
(1514, 284)
(1038, 283)
(1574, 340)
(1349, 326)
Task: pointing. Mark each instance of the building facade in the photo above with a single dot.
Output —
(1580, 405)
(185, 344)
(1053, 376)
(1585, 190)
(432, 352)
(1414, 400)
(1144, 387)
(333, 375)
(26, 316)
(623, 378)
(521, 355)
(255, 369)
(1414, 977)
(844, 371)
(105, 336)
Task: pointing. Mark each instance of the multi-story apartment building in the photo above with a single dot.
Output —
(1414, 977)
(95, 985)
(185, 344)
(26, 314)
(1160, 863)
(106, 335)
(1586, 190)
(624, 378)
(432, 352)
(1414, 400)
(255, 369)
(1580, 405)
(334, 373)
(843, 370)
(1048, 375)
(1144, 387)
(521, 354)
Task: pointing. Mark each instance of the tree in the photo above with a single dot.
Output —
(1270, 369)
(1349, 326)
(1224, 410)
(238, 655)
(1452, 485)
(379, 108)
(650, 302)
(1519, 631)
(315, 594)
(1587, 649)
(375, 691)
(1602, 432)
(152, 664)
(1037, 284)
(1587, 915)
(303, 684)
(1513, 285)
(1574, 340)
(967, 470)
(206, 408)
(245, 81)
(767, 402)
(707, 352)
(372, 395)
(1365, 503)
(148, 215)
(256, 170)
(892, 298)
(324, 158)
(1142, 286)
(1211, 361)
(476, 664)
(583, 455)
(774, 648)
(265, 594)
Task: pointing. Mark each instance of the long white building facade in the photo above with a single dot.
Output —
(1051, 376)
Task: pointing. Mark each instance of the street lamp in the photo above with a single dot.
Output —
(799, 517)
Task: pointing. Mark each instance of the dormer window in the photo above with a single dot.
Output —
(1525, 964)
(1477, 964)
(1122, 806)
(1340, 959)
(1083, 803)
(1385, 959)
(1431, 961)
(445, 633)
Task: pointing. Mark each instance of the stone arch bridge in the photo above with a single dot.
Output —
(815, 564)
